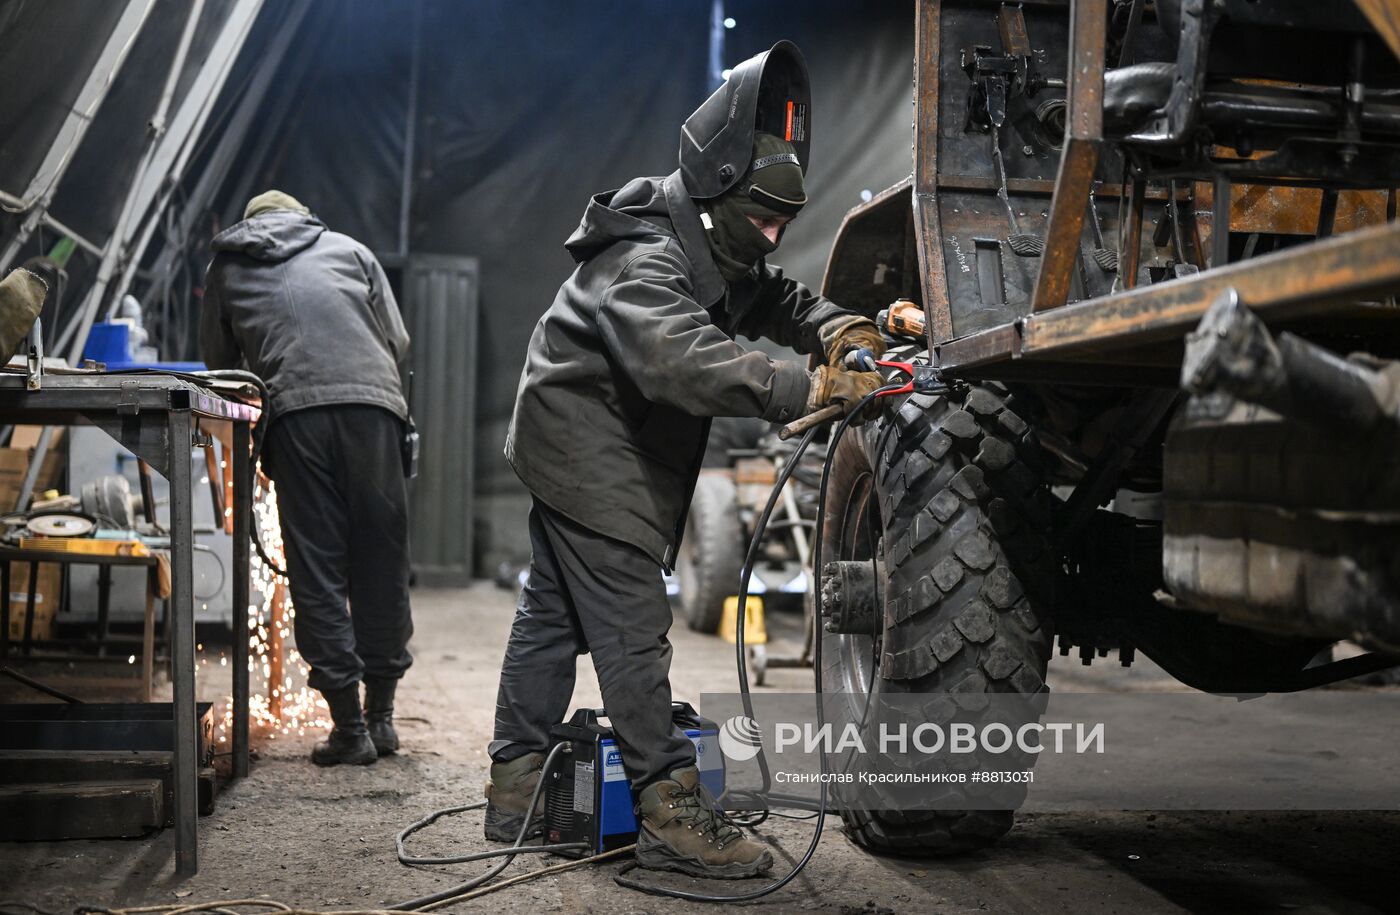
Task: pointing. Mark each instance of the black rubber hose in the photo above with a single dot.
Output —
(741, 616)
(816, 661)
(517, 848)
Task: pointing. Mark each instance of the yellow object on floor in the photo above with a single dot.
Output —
(90, 546)
(755, 633)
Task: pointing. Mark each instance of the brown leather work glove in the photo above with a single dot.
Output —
(21, 299)
(858, 333)
(835, 385)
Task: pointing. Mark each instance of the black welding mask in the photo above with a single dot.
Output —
(769, 92)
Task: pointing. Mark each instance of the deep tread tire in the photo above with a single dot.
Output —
(712, 553)
(964, 519)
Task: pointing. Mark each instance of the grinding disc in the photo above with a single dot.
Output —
(61, 525)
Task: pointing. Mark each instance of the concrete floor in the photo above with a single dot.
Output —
(324, 838)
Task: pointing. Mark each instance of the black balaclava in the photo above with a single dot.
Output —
(773, 187)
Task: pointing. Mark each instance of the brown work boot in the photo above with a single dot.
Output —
(508, 791)
(683, 831)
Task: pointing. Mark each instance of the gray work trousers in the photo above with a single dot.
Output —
(587, 593)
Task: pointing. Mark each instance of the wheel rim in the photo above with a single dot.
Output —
(856, 538)
(685, 569)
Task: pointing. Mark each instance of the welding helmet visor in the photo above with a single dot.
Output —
(769, 92)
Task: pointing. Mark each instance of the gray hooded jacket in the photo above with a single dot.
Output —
(308, 310)
(637, 353)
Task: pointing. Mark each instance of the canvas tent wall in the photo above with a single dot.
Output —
(520, 110)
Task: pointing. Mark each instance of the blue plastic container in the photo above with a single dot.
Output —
(108, 343)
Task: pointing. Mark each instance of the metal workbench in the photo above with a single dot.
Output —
(158, 418)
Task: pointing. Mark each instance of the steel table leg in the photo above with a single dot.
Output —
(5, 609)
(104, 606)
(148, 637)
(29, 606)
(242, 511)
(182, 654)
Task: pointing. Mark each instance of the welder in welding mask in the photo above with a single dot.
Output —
(622, 377)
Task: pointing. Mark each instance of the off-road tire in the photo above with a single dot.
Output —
(712, 553)
(964, 518)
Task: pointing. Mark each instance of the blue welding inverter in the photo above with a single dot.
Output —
(587, 796)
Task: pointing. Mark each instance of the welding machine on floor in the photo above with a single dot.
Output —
(587, 795)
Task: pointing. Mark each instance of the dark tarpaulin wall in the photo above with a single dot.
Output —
(103, 168)
(50, 46)
(341, 147)
(861, 57)
(526, 109)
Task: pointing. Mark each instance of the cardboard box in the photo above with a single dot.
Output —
(45, 599)
(14, 462)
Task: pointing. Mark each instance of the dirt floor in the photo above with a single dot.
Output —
(324, 838)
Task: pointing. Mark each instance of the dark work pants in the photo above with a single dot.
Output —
(587, 593)
(343, 503)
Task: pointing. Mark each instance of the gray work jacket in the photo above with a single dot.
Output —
(636, 354)
(306, 309)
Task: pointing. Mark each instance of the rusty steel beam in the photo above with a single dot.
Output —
(1012, 25)
(1080, 159)
(1131, 253)
(1287, 283)
(1296, 282)
(937, 311)
(1029, 186)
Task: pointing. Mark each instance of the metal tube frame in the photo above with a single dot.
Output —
(159, 173)
(132, 203)
(44, 183)
(212, 177)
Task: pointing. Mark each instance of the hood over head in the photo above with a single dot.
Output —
(649, 211)
(637, 211)
(272, 200)
(273, 236)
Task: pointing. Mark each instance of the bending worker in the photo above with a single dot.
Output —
(310, 311)
(622, 375)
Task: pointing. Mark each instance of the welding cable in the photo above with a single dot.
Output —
(787, 878)
(740, 648)
(259, 437)
(508, 854)
(412, 860)
(26, 906)
(259, 433)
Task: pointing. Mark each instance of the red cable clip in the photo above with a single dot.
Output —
(905, 367)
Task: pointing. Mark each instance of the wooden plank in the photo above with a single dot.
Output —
(44, 811)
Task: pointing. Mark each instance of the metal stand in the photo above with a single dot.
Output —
(153, 416)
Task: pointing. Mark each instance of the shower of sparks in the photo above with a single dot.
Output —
(290, 706)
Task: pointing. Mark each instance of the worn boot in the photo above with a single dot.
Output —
(379, 715)
(508, 791)
(682, 830)
(349, 741)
